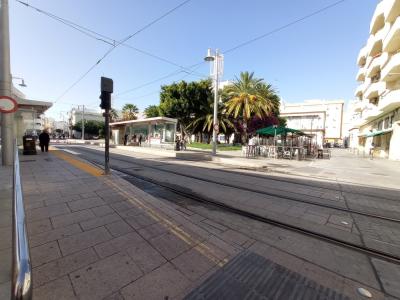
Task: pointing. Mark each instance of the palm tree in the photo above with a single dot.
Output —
(114, 114)
(129, 111)
(206, 120)
(249, 96)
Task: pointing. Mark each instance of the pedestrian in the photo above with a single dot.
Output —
(183, 143)
(134, 138)
(125, 139)
(44, 140)
(371, 151)
(140, 140)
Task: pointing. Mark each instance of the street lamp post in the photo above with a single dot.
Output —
(215, 58)
(7, 119)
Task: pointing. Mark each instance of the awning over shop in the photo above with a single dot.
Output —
(376, 133)
(278, 131)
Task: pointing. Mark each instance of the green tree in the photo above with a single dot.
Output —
(152, 111)
(91, 127)
(129, 112)
(114, 115)
(249, 96)
(185, 101)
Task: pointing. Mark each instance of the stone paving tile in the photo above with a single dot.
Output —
(118, 244)
(72, 218)
(145, 256)
(216, 225)
(140, 221)
(389, 275)
(5, 235)
(59, 289)
(85, 203)
(38, 226)
(100, 221)
(235, 237)
(5, 265)
(46, 212)
(57, 200)
(63, 266)
(33, 205)
(105, 277)
(44, 253)
(153, 230)
(52, 235)
(118, 228)
(315, 218)
(84, 240)
(116, 296)
(5, 290)
(102, 210)
(193, 264)
(169, 245)
(165, 282)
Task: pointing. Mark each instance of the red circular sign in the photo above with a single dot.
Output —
(8, 104)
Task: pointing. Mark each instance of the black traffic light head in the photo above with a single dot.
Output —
(105, 100)
(106, 85)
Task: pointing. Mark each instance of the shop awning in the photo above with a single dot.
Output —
(279, 131)
(376, 133)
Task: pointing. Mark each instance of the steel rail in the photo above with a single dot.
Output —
(21, 284)
(332, 240)
(334, 207)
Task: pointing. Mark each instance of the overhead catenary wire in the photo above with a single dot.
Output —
(245, 43)
(99, 36)
(108, 52)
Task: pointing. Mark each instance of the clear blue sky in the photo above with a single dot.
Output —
(315, 59)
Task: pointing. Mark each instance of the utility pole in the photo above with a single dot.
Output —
(216, 58)
(7, 119)
(83, 120)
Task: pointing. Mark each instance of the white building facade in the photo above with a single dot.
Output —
(376, 113)
(319, 118)
(76, 115)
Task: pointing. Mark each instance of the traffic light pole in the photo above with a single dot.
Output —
(107, 142)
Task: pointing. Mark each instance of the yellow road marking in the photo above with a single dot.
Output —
(176, 230)
(88, 168)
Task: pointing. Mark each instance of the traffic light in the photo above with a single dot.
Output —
(105, 100)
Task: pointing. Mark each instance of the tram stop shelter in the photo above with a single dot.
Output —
(155, 132)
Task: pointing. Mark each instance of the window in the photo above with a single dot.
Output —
(380, 125)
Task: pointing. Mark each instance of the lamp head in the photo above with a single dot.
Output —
(209, 56)
(22, 83)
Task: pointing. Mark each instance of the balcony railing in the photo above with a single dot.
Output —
(21, 288)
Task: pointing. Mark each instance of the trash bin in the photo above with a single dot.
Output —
(29, 145)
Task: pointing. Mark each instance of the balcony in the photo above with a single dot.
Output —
(391, 71)
(392, 10)
(362, 57)
(360, 75)
(375, 89)
(378, 19)
(359, 90)
(391, 42)
(376, 64)
(358, 106)
(371, 112)
(390, 101)
(377, 42)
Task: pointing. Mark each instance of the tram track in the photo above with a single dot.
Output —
(283, 225)
(265, 193)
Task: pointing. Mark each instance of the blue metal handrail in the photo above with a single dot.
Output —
(21, 286)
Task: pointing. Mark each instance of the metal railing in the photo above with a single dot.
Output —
(21, 285)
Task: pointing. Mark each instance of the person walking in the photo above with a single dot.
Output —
(44, 140)
(140, 140)
(371, 151)
(125, 139)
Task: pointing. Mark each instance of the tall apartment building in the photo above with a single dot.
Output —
(319, 118)
(376, 113)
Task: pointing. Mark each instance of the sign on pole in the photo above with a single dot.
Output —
(8, 104)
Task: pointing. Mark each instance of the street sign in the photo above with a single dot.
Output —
(8, 104)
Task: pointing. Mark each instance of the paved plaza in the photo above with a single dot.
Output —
(108, 237)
